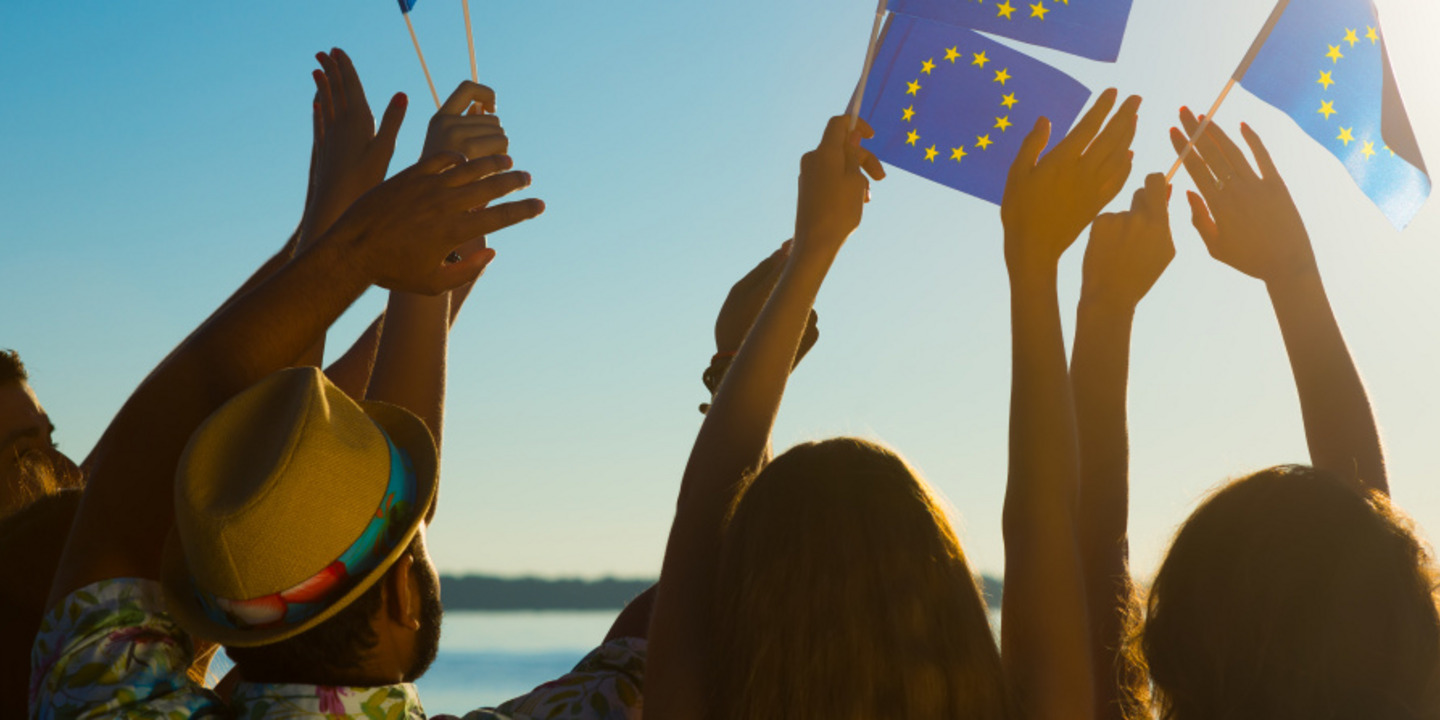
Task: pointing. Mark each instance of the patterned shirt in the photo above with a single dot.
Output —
(108, 650)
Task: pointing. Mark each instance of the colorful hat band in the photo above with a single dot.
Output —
(307, 599)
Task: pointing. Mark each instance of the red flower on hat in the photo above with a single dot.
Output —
(257, 612)
(318, 587)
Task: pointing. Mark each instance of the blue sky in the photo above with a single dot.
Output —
(152, 154)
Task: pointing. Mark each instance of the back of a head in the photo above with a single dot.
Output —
(1293, 593)
(31, 542)
(843, 593)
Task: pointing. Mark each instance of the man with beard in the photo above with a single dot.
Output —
(31, 467)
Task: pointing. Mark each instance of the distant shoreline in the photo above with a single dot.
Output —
(491, 593)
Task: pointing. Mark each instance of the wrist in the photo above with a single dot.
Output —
(339, 251)
(1101, 308)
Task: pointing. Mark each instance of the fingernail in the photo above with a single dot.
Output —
(320, 56)
(527, 178)
(507, 162)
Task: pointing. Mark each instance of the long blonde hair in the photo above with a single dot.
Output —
(843, 593)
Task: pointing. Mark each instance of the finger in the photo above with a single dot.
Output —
(477, 169)
(485, 146)
(871, 164)
(1232, 152)
(483, 191)
(1202, 219)
(1262, 155)
(460, 273)
(765, 270)
(1033, 145)
(1207, 147)
(390, 124)
(436, 163)
(1084, 131)
(498, 217)
(354, 91)
(466, 94)
(323, 96)
(1157, 197)
(1119, 134)
(1194, 164)
(835, 132)
(318, 118)
(1113, 175)
(332, 75)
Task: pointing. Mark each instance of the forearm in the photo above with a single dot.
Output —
(1045, 637)
(411, 360)
(1099, 373)
(128, 508)
(351, 372)
(1339, 423)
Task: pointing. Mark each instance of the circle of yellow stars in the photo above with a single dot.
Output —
(954, 56)
(1327, 80)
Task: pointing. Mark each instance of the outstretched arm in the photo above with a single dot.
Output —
(396, 236)
(1048, 202)
(733, 438)
(1249, 222)
(1127, 253)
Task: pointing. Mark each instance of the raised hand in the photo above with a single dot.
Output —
(351, 156)
(400, 234)
(465, 124)
(833, 190)
(1246, 218)
(1050, 200)
(748, 297)
(1129, 251)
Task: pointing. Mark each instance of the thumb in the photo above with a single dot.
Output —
(1033, 145)
(1204, 222)
(390, 124)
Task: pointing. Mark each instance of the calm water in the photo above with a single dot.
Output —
(487, 658)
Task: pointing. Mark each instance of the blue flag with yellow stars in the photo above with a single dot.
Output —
(1324, 64)
(953, 106)
(1088, 28)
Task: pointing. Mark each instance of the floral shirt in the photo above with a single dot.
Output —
(108, 650)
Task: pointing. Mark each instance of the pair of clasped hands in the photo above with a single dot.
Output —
(1243, 212)
(424, 229)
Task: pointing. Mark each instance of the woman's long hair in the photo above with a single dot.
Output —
(1292, 593)
(843, 593)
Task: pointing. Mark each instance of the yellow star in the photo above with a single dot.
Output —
(1009, 102)
(980, 59)
(1003, 123)
(927, 66)
(909, 113)
(1327, 79)
(1369, 150)
(1371, 35)
(1327, 108)
(1002, 75)
(958, 154)
(1392, 152)
(1006, 9)
(952, 54)
(930, 153)
(1351, 37)
(912, 137)
(984, 142)
(1039, 10)
(1346, 136)
(1335, 55)
(912, 88)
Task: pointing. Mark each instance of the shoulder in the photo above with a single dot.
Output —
(605, 685)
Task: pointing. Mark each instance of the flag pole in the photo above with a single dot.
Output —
(1235, 79)
(421, 54)
(470, 38)
(869, 60)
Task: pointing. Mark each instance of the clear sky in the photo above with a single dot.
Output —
(153, 154)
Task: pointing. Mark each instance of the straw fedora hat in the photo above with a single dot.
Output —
(291, 501)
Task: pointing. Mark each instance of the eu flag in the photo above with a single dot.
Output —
(407, 5)
(951, 105)
(1088, 28)
(1324, 64)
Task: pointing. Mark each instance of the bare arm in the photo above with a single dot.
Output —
(735, 433)
(1048, 202)
(1249, 222)
(396, 236)
(1127, 253)
(351, 371)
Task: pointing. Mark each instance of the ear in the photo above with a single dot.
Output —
(402, 589)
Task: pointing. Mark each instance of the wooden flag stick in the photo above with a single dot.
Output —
(1204, 124)
(869, 60)
(1240, 71)
(470, 38)
(421, 54)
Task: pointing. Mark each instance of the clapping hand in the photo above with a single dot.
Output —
(1246, 218)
